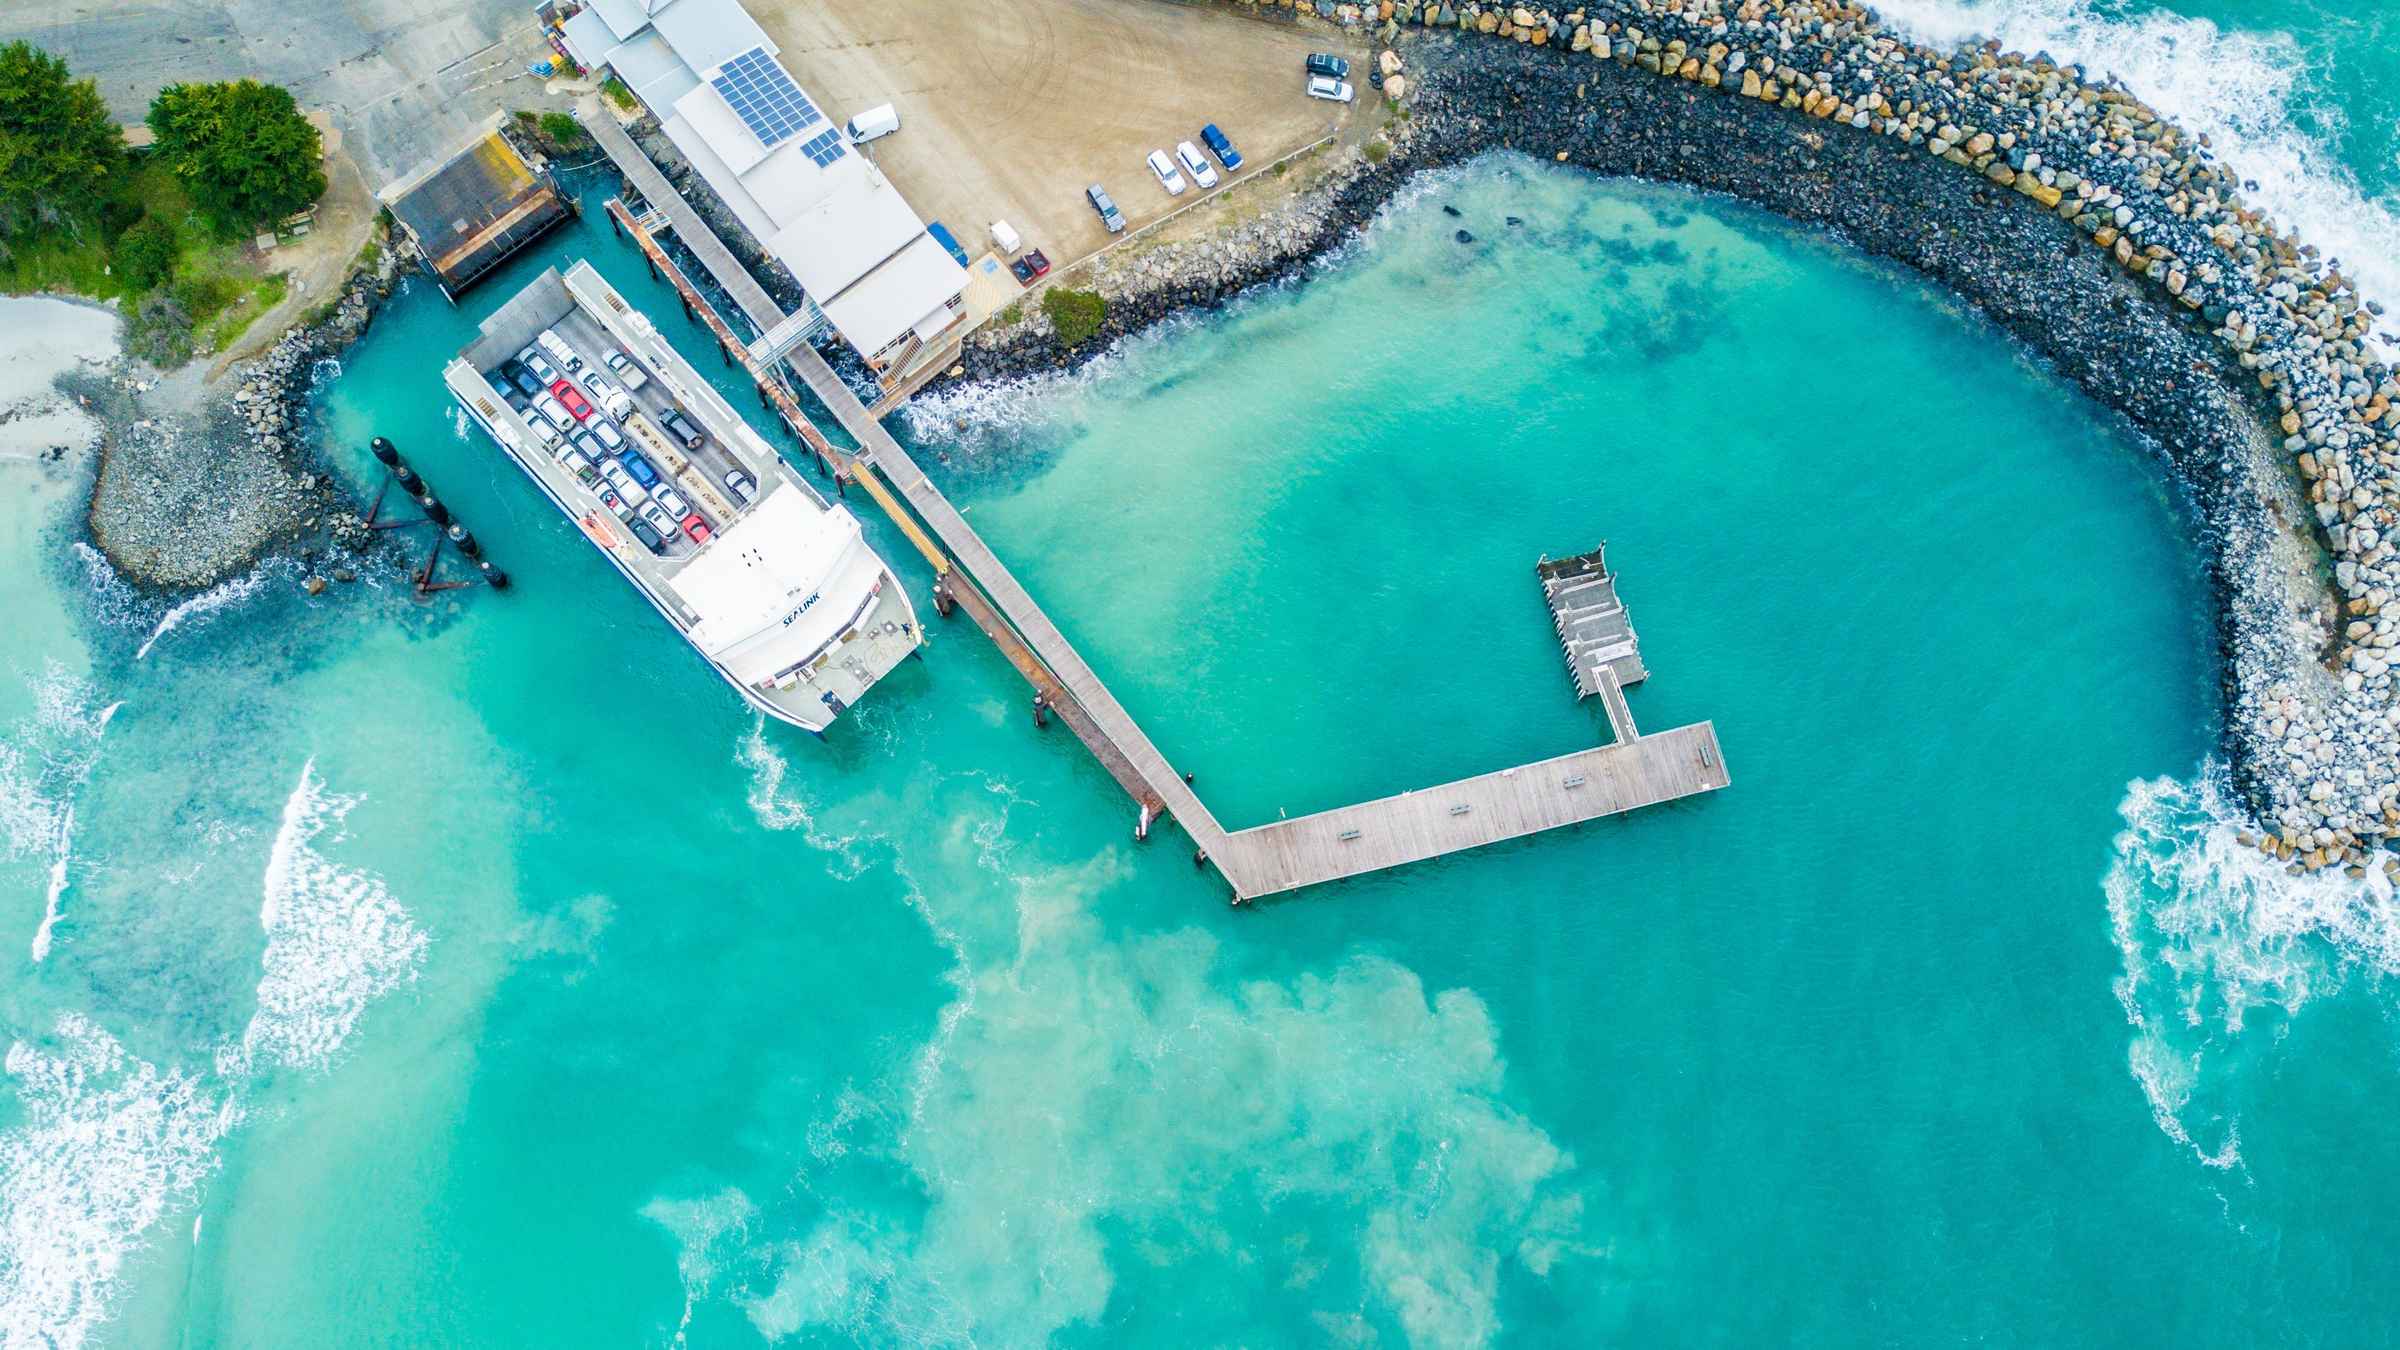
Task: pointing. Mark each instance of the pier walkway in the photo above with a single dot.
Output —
(662, 197)
(1284, 855)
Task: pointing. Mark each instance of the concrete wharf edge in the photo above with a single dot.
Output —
(1285, 855)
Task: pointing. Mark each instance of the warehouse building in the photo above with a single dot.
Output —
(784, 166)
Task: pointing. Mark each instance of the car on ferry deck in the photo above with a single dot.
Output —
(572, 399)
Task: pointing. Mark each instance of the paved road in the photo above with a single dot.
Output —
(404, 79)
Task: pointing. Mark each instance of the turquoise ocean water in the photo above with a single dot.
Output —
(480, 973)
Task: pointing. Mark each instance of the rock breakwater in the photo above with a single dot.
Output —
(196, 480)
(2090, 227)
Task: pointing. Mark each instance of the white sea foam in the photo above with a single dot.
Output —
(2241, 88)
(44, 763)
(336, 941)
(105, 1145)
(777, 807)
(222, 596)
(2212, 934)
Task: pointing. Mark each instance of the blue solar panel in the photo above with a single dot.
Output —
(764, 97)
(825, 147)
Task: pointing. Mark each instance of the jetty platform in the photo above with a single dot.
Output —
(1285, 855)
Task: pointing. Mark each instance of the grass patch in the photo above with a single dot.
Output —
(1076, 315)
(562, 128)
(1014, 314)
(619, 94)
(1378, 150)
(237, 317)
(369, 256)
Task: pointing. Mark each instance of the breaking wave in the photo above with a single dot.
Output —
(107, 1144)
(2221, 947)
(224, 595)
(336, 940)
(2247, 91)
(44, 763)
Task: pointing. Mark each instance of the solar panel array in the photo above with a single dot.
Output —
(825, 147)
(765, 98)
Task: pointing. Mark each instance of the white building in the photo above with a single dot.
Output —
(784, 166)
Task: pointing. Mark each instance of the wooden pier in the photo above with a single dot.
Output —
(1286, 855)
(1593, 627)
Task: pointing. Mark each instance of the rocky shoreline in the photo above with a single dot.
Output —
(197, 481)
(2093, 231)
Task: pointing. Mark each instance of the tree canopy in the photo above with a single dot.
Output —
(241, 149)
(59, 150)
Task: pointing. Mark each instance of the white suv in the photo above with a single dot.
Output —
(1337, 91)
(1165, 169)
(1196, 164)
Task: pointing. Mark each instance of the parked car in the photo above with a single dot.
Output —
(589, 448)
(617, 506)
(1005, 238)
(606, 433)
(606, 394)
(949, 242)
(741, 486)
(558, 349)
(1196, 164)
(649, 537)
(580, 465)
(1168, 178)
(526, 381)
(1334, 91)
(1031, 268)
(697, 528)
(542, 370)
(681, 428)
(873, 123)
(660, 521)
(629, 371)
(672, 500)
(545, 433)
(1328, 65)
(553, 412)
(639, 468)
(572, 399)
(614, 472)
(1109, 214)
(1219, 146)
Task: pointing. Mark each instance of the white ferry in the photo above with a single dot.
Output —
(774, 585)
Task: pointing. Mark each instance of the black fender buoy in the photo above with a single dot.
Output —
(408, 480)
(385, 451)
(465, 540)
(434, 510)
(497, 578)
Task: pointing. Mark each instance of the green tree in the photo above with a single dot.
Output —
(241, 149)
(59, 150)
(144, 254)
(1076, 315)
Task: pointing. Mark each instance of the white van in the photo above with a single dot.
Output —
(1005, 239)
(874, 122)
(559, 351)
(606, 433)
(606, 394)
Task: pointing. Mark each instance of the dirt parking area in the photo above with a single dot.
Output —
(1010, 107)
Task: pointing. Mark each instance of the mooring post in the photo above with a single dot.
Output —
(615, 226)
(841, 483)
(1199, 858)
(686, 302)
(1041, 712)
